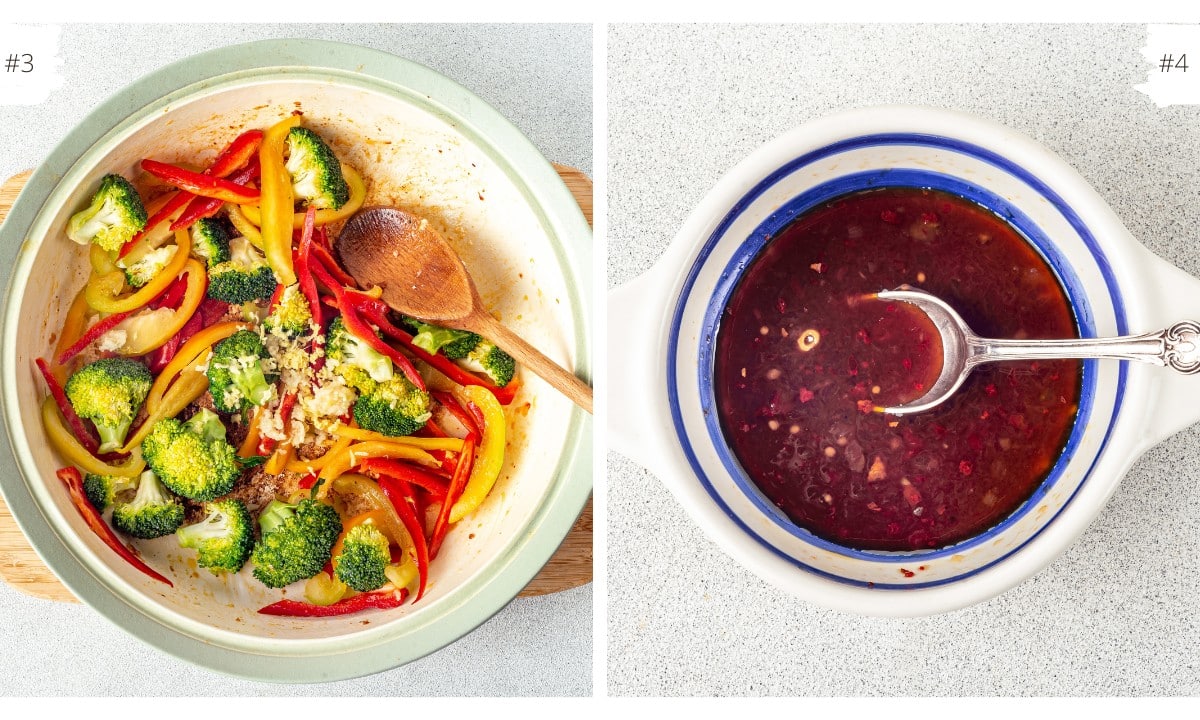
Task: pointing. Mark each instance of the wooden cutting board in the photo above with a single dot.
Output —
(570, 567)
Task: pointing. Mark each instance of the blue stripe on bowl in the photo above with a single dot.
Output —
(840, 186)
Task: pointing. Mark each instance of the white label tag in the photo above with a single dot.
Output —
(29, 63)
(1172, 50)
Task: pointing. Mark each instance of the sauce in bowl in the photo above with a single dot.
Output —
(804, 356)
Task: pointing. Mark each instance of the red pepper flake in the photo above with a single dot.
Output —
(862, 336)
(929, 218)
(806, 395)
(965, 468)
(889, 216)
(907, 573)
(781, 305)
(990, 389)
(907, 363)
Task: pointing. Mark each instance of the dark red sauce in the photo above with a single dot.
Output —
(802, 361)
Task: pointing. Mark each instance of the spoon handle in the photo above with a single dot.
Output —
(576, 390)
(1177, 347)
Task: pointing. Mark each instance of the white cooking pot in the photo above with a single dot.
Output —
(669, 319)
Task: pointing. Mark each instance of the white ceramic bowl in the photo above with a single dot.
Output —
(422, 142)
(1115, 286)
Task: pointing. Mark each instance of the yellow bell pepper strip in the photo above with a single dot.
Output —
(74, 482)
(402, 575)
(448, 444)
(146, 331)
(190, 385)
(199, 183)
(242, 224)
(276, 201)
(324, 216)
(491, 450)
(101, 260)
(323, 589)
(64, 441)
(354, 454)
(103, 291)
(189, 355)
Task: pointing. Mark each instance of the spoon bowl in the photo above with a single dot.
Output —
(421, 276)
(1177, 347)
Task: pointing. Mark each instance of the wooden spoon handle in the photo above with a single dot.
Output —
(576, 390)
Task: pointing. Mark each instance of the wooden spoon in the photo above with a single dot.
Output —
(421, 276)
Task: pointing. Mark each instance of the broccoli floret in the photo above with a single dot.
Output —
(452, 343)
(235, 373)
(102, 490)
(490, 360)
(115, 215)
(210, 241)
(223, 539)
(151, 264)
(109, 392)
(394, 407)
(358, 363)
(316, 173)
(365, 556)
(190, 458)
(297, 541)
(245, 276)
(153, 512)
(292, 315)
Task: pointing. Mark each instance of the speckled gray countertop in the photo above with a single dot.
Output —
(1117, 613)
(540, 77)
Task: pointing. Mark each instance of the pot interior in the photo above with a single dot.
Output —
(413, 154)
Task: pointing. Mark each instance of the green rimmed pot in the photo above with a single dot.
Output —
(423, 142)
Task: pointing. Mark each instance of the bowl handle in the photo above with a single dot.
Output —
(1174, 400)
(639, 424)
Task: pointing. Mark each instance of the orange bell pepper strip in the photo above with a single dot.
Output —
(276, 200)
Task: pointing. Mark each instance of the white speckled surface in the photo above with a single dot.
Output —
(1117, 613)
(540, 77)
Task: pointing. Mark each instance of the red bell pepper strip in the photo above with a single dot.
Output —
(470, 421)
(344, 302)
(91, 335)
(398, 492)
(266, 445)
(74, 482)
(199, 183)
(181, 198)
(82, 434)
(461, 474)
(326, 259)
(365, 601)
(408, 473)
(243, 149)
(376, 312)
(202, 207)
(303, 265)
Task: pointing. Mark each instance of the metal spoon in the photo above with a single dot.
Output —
(1177, 346)
(422, 277)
